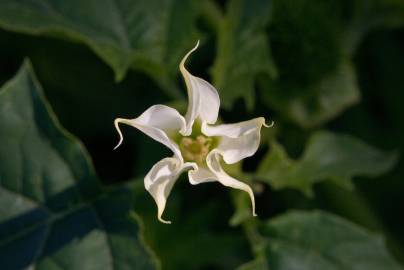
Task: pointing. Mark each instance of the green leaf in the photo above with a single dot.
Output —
(257, 264)
(327, 157)
(54, 213)
(149, 35)
(242, 51)
(317, 103)
(316, 79)
(368, 15)
(313, 46)
(318, 240)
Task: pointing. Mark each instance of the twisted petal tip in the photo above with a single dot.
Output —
(164, 221)
(119, 143)
(269, 125)
(116, 124)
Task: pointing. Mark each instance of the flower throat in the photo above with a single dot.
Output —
(196, 149)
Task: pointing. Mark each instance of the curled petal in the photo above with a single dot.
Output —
(239, 140)
(156, 122)
(203, 99)
(213, 162)
(160, 180)
(201, 175)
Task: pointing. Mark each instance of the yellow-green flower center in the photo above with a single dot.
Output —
(195, 149)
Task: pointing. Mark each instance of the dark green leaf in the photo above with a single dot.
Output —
(257, 264)
(305, 39)
(148, 35)
(367, 15)
(317, 103)
(243, 50)
(316, 79)
(316, 240)
(54, 214)
(313, 46)
(327, 157)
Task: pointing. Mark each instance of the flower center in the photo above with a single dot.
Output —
(196, 149)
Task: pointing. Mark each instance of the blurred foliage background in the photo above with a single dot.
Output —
(329, 73)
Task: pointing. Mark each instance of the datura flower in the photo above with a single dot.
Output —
(197, 144)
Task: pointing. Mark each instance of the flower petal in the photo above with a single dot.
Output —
(239, 140)
(156, 122)
(213, 163)
(201, 175)
(160, 180)
(203, 99)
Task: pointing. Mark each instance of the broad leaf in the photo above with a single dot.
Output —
(327, 157)
(54, 214)
(316, 240)
(370, 15)
(316, 80)
(257, 264)
(312, 105)
(242, 50)
(313, 46)
(149, 35)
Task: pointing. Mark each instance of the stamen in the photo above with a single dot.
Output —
(195, 150)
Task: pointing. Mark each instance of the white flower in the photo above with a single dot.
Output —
(198, 146)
